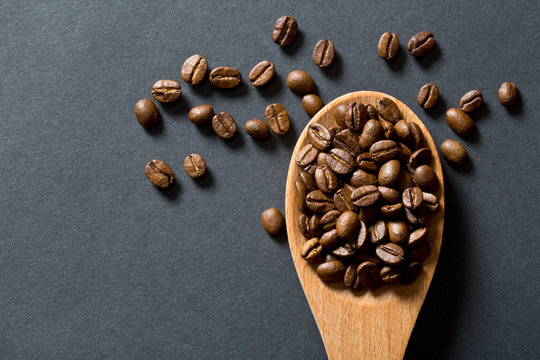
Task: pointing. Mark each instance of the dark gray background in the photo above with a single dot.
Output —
(97, 263)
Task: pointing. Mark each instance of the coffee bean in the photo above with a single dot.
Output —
(312, 104)
(146, 113)
(329, 219)
(342, 200)
(307, 180)
(225, 77)
(356, 116)
(389, 173)
(508, 94)
(319, 136)
(331, 270)
(412, 198)
(390, 253)
(417, 135)
(166, 91)
(371, 133)
(389, 131)
(321, 159)
(301, 193)
(472, 100)
(347, 141)
(368, 275)
(389, 110)
(303, 225)
(430, 201)
(273, 222)
(310, 169)
(262, 73)
(411, 272)
(391, 196)
(428, 96)
(330, 257)
(300, 82)
(368, 214)
(366, 163)
(159, 173)
(257, 129)
(349, 279)
(347, 225)
(378, 232)
(421, 156)
(306, 155)
(398, 231)
(383, 150)
(277, 118)
(326, 179)
(425, 178)
(323, 54)
(329, 239)
(388, 46)
(454, 152)
(224, 125)
(390, 274)
(460, 122)
(421, 253)
(344, 252)
(362, 178)
(362, 240)
(194, 69)
(417, 237)
(201, 115)
(405, 181)
(365, 196)
(421, 43)
(404, 151)
(403, 131)
(314, 225)
(319, 202)
(372, 112)
(340, 161)
(391, 210)
(195, 166)
(415, 217)
(311, 250)
(285, 30)
(339, 115)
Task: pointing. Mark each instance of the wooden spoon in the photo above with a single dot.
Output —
(363, 325)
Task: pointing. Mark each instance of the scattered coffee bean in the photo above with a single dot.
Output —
(159, 173)
(277, 118)
(300, 82)
(454, 152)
(272, 221)
(323, 54)
(471, 101)
(428, 96)
(388, 110)
(201, 115)
(390, 253)
(285, 30)
(306, 155)
(262, 73)
(331, 270)
(508, 94)
(146, 113)
(388, 46)
(195, 166)
(421, 43)
(225, 77)
(194, 69)
(460, 122)
(166, 91)
(257, 129)
(224, 125)
(312, 104)
(319, 136)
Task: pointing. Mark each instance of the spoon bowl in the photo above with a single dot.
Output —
(364, 324)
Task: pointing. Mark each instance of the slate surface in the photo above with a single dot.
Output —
(96, 263)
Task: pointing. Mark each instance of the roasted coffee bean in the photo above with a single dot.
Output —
(323, 53)
(201, 115)
(339, 115)
(329, 219)
(301, 194)
(321, 159)
(310, 169)
(389, 173)
(412, 198)
(405, 152)
(347, 141)
(312, 104)
(362, 178)
(425, 178)
(389, 131)
(403, 131)
(319, 202)
(365, 195)
(300, 82)
(421, 43)
(368, 214)
(347, 225)
(390, 274)
(307, 180)
(331, 270)
(363, 239)
(471, 101)
(303, 225)
(378, 232)
(415, 217)
(344, 252)
(389, 110)
(335, 130)
(372, 132)
(356, 116)
(329, 239)
(421, 253)
(159, 173)
(194, 69)
(257, 129)
(146, 113)
(277, 118)
(391, 210)
(428, 96)
(454, 152)
(340, 161)
(225, 77)
(388, 46)
(342, 200)
(508, 94)
(314, 225)
(417, 135)
(391, 196)
(330, 257)
(273, 222)
(262, 73)
(421, 156)
(306, 155)
(431, 202)
(166, 91)
(224, 125)
(349, 279)
(405, 180)
(417, 237)
(411, 272)
(195, 166)
(368, 275)
(311, 250)
(285, 30)
(398, 231)
(390, 253)
(366, 163)
(460, 122)
(326, 179)
(319, 136)
(383, 150)
(372, 112)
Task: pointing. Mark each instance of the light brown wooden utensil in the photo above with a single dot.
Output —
(364, 325)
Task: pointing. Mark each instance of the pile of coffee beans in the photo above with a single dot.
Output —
(365, 189)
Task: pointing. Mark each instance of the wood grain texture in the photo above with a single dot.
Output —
(364, 325)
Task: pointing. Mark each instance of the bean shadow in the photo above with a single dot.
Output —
(207, 181)
(206, 129)
(268, 144)
(236, 142)
(281, 238)
(474, 138)
(297, 43)
(204, 89)
(157, 130)
(466, 167)
(177, 108)
(437, 322)
(479, 113)
(438, 109)
(237, 92)
(289, 139)
(433, 55)
(396, 64)
(172, 192)
(517, 108)
(271, 89)
(335, 70)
